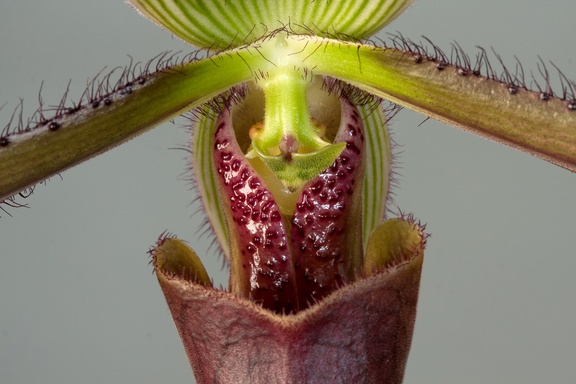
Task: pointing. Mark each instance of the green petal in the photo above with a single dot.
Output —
(487, 107)
(70, 138)
(221, 24)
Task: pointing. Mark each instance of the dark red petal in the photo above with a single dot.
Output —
(260, 264)
(326, 235)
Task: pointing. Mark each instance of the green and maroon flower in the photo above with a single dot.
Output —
(294, 170)
(291, 156)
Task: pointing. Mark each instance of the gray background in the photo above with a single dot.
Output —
(78, 302)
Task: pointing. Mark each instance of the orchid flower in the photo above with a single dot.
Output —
(207, 128)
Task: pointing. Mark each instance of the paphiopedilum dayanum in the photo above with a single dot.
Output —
(293, 169)
(310, 306)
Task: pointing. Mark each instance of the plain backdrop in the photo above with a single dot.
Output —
(79, 302)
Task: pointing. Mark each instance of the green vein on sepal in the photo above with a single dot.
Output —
(222, 24)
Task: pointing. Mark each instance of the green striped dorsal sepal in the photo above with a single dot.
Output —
(221, 24)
